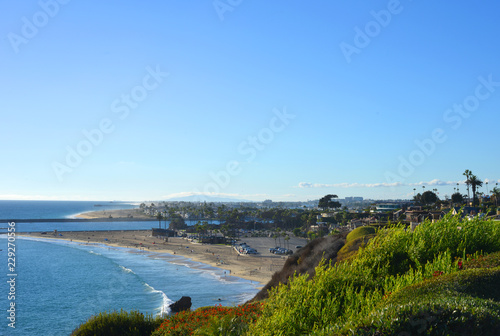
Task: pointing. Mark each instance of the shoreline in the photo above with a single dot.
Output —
(258, 268)
(129, 214)
(113, 215)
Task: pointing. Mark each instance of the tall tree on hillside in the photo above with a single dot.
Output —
(468, 174)
(177, 222)
(296, 232)
(474, 183)
(496, 194)
(221, 213)
(457, 198)
(428, 197)
(417, 198)
(327, 203)
(159, 217)
(209, 212)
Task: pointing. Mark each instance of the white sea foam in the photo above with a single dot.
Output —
(165, 308)
(75, 216)
(244, 297)
(126, 270)
(92, 252)
(166, 302)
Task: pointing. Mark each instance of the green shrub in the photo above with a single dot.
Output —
(360, 232)
(396, 258)
(118, 324)
(351, 247)
(463, 303)
(396, 250)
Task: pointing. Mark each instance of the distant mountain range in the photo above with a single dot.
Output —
(204, 198)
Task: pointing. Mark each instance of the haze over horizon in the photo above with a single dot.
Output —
(237, 99)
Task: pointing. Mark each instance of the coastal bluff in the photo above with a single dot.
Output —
(305, 261)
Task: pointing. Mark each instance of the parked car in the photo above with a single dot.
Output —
(281, 251)
(284, 251)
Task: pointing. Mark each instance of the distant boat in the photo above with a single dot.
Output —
(97, 204)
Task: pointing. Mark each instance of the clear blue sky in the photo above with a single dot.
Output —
(291, 100)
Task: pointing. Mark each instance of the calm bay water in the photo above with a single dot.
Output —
(55, 209)
(59, 284)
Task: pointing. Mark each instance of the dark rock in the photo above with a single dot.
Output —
(183, 304)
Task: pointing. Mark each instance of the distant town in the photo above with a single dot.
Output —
(313, 218)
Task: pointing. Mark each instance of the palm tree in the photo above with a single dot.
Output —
(159, 217)
(468, 175)
(474, 183)
(496, 194)
(210, 213)
(221, 213)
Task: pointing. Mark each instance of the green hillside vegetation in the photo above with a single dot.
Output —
(305, 261)
(441, 279)
(338, 298)
(464, 303)
(349, 249)
(356, 239)
(118, 323)
(360, 232)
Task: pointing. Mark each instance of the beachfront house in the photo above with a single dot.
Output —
(416, 215)
(355, 223)
(466, 211)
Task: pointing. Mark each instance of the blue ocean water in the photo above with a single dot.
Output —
(80, 226)
(55, 209)
(60, 284)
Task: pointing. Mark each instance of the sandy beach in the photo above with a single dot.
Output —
(119, 213)
(259, 267)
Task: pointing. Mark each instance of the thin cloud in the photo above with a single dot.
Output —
(382, 188)
(305, 185)
(491, 181)
(349, 185)
(436, 182)
(213, 194)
